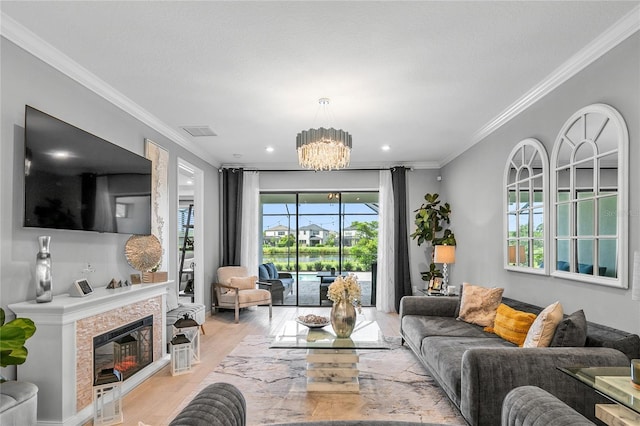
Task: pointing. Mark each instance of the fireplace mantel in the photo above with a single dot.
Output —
(65, 308)
(60, 358)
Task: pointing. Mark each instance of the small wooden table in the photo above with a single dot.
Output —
(332, 363)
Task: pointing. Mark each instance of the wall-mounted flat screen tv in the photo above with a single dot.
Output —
(75, 180)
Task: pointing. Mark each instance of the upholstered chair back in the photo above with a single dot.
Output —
(225, 273)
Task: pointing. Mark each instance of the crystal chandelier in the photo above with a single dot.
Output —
(323, 149)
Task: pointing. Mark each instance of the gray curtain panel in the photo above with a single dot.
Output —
(231, 216)
(401, 254)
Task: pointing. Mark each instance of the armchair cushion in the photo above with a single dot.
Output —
(243, 283)
(254, 296)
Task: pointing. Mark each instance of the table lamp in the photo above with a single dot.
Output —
(444, 255)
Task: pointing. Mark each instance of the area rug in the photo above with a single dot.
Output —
(393, 386)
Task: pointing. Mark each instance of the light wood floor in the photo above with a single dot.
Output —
(154, 401)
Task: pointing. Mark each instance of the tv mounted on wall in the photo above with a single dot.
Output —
(75, 180)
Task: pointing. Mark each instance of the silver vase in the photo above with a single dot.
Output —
(43, 271)
(343, 317)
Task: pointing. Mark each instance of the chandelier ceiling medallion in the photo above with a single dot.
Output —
(323, 148)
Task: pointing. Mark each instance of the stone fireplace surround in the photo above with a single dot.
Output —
(60, 360)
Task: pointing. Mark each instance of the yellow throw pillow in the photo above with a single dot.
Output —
(544, 327)
(243, 283)
(478, 304)
(511, 325)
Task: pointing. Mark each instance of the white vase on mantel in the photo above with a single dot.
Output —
(43, 271)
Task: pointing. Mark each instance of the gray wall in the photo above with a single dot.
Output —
(473, 185)
(27, 80)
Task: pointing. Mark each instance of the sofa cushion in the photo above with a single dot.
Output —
(443, 357)
(627, 345)
(544, 327)
(571, 331)
(273, 272)
(417, 327)
(478, 305)
(263, 272)
(511, 325)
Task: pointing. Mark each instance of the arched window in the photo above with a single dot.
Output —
(526, 200)
(589, 198)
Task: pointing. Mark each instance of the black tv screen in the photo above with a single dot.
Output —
(75, 180)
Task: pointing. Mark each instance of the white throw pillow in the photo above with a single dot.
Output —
(172, 299)
(544, 327)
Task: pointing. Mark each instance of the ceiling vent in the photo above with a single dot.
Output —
(199, 131)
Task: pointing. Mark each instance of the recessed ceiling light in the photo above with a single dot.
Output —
(237, 155)
(189, 182)
(386, 147)
(270, 149)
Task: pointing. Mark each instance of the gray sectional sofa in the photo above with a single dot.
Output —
(478, 369)
(223, 404)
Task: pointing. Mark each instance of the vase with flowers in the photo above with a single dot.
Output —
(344, 292)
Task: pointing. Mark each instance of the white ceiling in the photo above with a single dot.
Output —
(425, 77)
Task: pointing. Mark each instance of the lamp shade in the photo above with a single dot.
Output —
(444, 254)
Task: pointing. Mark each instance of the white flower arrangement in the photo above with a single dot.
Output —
(346, 286)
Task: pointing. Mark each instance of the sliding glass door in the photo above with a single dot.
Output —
(317, 236)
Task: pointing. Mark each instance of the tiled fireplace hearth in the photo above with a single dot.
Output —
(61, 353)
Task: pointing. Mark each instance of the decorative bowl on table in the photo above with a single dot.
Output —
(313, 321)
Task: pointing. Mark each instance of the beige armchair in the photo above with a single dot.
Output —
(236, 289)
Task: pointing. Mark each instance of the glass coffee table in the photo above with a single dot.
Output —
(332, 363)
(614, 383)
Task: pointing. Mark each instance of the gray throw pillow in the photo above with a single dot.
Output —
(456, 314)
(571, 332)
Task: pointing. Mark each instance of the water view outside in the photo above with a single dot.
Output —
(315, 234)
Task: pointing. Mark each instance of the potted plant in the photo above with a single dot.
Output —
(429, 221)
(13, 335)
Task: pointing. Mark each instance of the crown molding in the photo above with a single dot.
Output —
(614, 35)
(30, 42)
(427, 165)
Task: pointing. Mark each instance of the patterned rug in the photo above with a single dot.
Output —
(393, 386)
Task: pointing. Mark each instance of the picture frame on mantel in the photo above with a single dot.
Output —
(159, 196)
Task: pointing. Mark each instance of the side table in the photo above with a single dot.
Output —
(614, 383)
(426, 292)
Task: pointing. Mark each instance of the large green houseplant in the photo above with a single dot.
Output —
(13, 335)
(430, 220)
